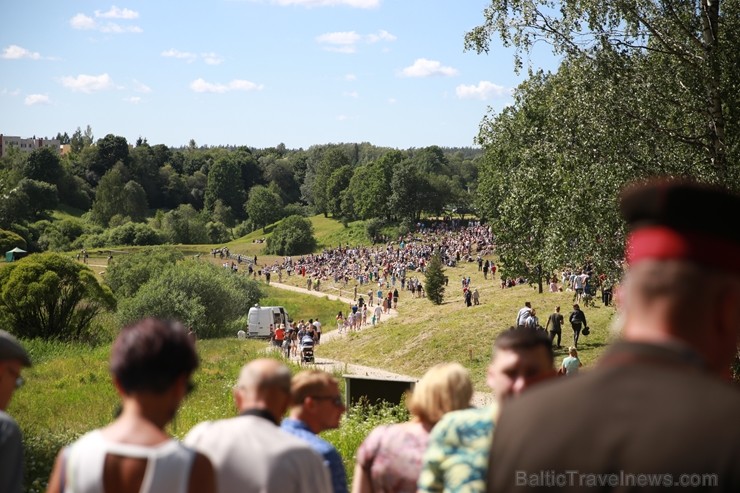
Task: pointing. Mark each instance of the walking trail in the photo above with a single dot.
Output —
(331, 366)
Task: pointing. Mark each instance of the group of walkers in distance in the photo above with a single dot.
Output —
(655, 413)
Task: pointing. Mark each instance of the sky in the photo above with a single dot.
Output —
(252, 72)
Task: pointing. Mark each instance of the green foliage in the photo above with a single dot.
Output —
(211, 300)
(184, 225)
(51, 296)
(133, 234)
(292, 236)
(10, 240)
(434, 285)
(373, 228)
(336, 188)
(44, 165)
(225, 184)
(40, 196)
(127, 273)
(217, 232)
(263, 206)
(115, 195)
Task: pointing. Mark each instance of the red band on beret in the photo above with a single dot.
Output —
(662, 243)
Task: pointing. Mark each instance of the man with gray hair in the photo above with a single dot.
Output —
(250, 453)
(12, 360)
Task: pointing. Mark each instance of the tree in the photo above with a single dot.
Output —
(116, 196)
(292, 236)
(683, 53)
(41, 196)
(112, 149)
(225, 184)
(184, 225)
(51, 296)
(210, 300)
(336, 187)
(44, 165)
(263, 206)
(434, 284)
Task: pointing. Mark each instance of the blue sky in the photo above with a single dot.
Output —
(251, 72)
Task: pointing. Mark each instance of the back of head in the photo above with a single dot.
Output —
(151, 354)
(443, 388)
(683, 252)
(308, 383)
(523, 338)
(261, 375)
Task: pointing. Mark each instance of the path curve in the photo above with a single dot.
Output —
(479, 398)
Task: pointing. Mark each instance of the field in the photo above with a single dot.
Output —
(68, 391)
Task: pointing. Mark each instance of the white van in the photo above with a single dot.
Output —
(261, 317)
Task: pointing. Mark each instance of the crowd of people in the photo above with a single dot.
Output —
(655, 414)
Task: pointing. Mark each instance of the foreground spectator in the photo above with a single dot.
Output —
(390, 458)
(151, 363)
(317, 406)
(658, 401)
(250, 452)
(457, 456)
(12, 360)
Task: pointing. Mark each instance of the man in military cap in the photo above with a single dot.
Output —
(12, 360)
(658, 412)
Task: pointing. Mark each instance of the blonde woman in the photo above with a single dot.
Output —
(571, 363)
(390, 458)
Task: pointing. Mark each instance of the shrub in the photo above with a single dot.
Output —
(49, 295)
(206, 298)
(10, 240)
(292, 236)
(372, 229)
(127, 273)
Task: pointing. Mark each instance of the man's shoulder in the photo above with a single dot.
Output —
(9, 429)
(293, 428)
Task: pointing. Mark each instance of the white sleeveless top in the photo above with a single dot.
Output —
(167, 470)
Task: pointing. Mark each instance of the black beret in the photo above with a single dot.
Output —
(671, 219)
(683, 206)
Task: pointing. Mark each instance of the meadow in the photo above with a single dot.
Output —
(68, 391)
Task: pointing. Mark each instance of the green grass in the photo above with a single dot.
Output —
(304, 306)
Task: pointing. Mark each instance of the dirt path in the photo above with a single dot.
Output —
(329, 365)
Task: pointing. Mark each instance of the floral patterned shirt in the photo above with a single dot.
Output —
(456, 459)
(392, 455)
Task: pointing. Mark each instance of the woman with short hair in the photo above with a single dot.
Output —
(151, 363)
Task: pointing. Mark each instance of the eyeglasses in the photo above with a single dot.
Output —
(334, 399)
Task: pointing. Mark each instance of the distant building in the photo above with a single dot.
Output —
(26, 145)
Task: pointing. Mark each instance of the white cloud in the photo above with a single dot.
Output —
(199, 85)
(16, 92)
(143, 88)
(81, 21)
(351, 94)
(212, 58)
(392, 100)
(360, 4)
(133, 99)
(381, 36)
(339, 38)
(346, 41)
(15, 52)
(350, 77)
(118, 29)
(427, 68)
(86, 23)
(342, 118)
(88, 83)
(182, 55)
(484, 90)
(116, 13)
(32, 99)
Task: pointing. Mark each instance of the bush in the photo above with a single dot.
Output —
(49, 295)
(127, 273)
(217, 232)
(206, 298)
(134, 234)
(292, 236)
(372, 229)
(10, 240)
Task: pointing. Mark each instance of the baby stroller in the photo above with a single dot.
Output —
(307, 345)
